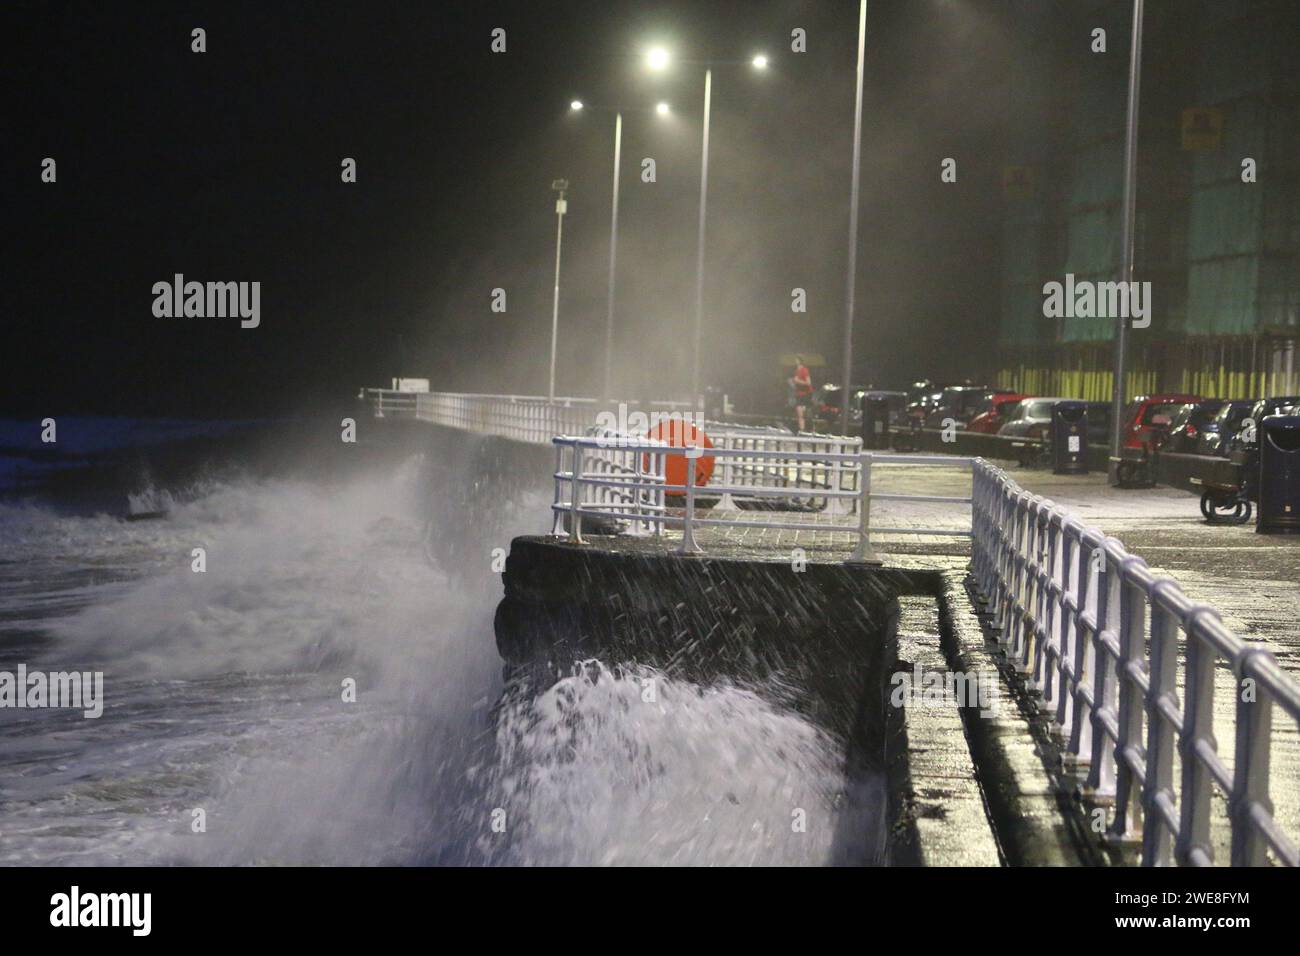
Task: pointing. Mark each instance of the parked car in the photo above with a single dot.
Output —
(826, 405)
(920, 408)
(1185, 430)
(896, 400)
(1148, 417)
(1215, 436)
(918, 390)
(1244, 439)
(1031, 418)
(996, 414)
(961, 403)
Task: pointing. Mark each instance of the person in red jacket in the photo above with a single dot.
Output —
(803, 390)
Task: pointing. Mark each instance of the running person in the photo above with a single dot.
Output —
(803, 390)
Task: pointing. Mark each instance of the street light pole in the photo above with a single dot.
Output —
(613, 254)
(1127, 243)
(561, 206)
(846, 390)
(699, 260)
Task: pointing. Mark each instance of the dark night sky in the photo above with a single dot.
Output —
(225, 166)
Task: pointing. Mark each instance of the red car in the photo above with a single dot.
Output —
(1147, 418)
(995, 415)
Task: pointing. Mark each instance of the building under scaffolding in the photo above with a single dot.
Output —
(1220, 87)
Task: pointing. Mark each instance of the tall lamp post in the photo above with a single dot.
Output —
(657, 59)
(846, 392)
(607, 387)
(561, 186)
(576, 106)
(699, 255)
(1118, 392)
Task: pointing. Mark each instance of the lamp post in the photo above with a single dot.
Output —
(613, 257)
(657, 59)
(577, 106)
(699, 256)
(851, 280)
(1117, 394)
(561, 186)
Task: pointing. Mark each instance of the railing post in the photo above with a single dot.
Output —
(637, 525)
(1079, 745)
(557, 525)
(1127, 824)
(1011, 619)
(982, 536)
(1198, 727)
(1250, 762)
(1067, 602)
(1108, 617)
(864, 554)
(575, 499)
(1158, 783)
(1000, 522)
(688, 545)
(1049, 651)
(659, 463)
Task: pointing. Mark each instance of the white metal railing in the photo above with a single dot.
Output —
(800, 467)
(389, 403)
(534, 419)
(526, 418)
(626, 482)
(1099, 635)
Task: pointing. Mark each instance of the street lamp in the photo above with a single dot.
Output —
(561, 186)
(846, 392)
(1118, 394)
(657, 59)
(576, 106)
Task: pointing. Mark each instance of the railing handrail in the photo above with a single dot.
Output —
(648, 445)
(561, 400)
(1095, 631)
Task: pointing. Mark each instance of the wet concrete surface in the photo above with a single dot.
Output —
(940, 794)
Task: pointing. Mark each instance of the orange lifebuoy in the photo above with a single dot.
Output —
(680, 434)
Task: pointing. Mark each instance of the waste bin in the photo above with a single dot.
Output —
(1069, 437)
(875, 422)
(1278, 441)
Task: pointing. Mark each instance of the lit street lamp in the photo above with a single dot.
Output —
(561, 207)
(657, 59)
(577, 105)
